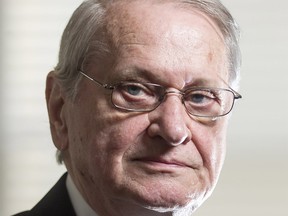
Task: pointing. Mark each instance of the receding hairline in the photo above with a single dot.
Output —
(112, 6)
(220, 19)
(115, 19)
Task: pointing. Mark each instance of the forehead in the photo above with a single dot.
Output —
(127, 16)
(165, 36)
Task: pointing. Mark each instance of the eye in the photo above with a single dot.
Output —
(136, 92)
(197, 98)
(200, 97)
(133, 89)
(143, 96)
(135, 95)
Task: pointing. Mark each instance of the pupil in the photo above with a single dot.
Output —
(197, 98)
(133, 90)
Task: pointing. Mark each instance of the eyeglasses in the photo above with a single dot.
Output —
(145, 97)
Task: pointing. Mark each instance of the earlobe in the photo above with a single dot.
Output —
(55, 100)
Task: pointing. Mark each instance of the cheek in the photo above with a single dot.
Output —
(99, 142)
(111, 135)
(211, 144)
(118, 131)
(101, 128)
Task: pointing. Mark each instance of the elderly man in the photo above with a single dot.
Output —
(138, 107)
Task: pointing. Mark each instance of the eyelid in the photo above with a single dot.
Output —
(197, 88)
(146, 84)
(132, 79)
(135, 84)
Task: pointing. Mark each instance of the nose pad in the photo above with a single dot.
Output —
(170, 121)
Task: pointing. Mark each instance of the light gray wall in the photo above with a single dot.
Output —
(255, 175)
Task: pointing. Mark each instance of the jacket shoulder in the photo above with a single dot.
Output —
(56, 202)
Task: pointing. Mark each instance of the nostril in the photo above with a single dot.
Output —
(179, 142)
(179, 136)
(172, 136)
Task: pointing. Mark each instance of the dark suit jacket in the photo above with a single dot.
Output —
(55, 203)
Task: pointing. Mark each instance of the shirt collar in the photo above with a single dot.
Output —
(80, 205)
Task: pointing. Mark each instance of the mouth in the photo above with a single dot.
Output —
(162, 163)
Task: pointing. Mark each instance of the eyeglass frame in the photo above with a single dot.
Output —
(236, 96)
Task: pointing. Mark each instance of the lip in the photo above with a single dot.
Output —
(162, 162)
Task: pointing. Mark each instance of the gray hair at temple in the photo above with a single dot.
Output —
(84, 38)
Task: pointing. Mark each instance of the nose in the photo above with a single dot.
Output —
(170, 121)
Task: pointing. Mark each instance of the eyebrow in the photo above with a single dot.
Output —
(203, 82)
(137, 74)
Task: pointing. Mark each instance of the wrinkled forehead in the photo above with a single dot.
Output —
(125, 17)
(165, 35)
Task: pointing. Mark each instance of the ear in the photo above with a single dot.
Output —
(55, 100)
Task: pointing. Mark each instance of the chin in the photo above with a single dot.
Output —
(178, 210)
(180, 207)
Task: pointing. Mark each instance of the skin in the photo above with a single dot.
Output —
(127, 163)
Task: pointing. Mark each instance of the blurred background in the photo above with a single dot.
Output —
(254, 180)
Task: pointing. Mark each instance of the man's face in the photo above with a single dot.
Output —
(163, 158)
